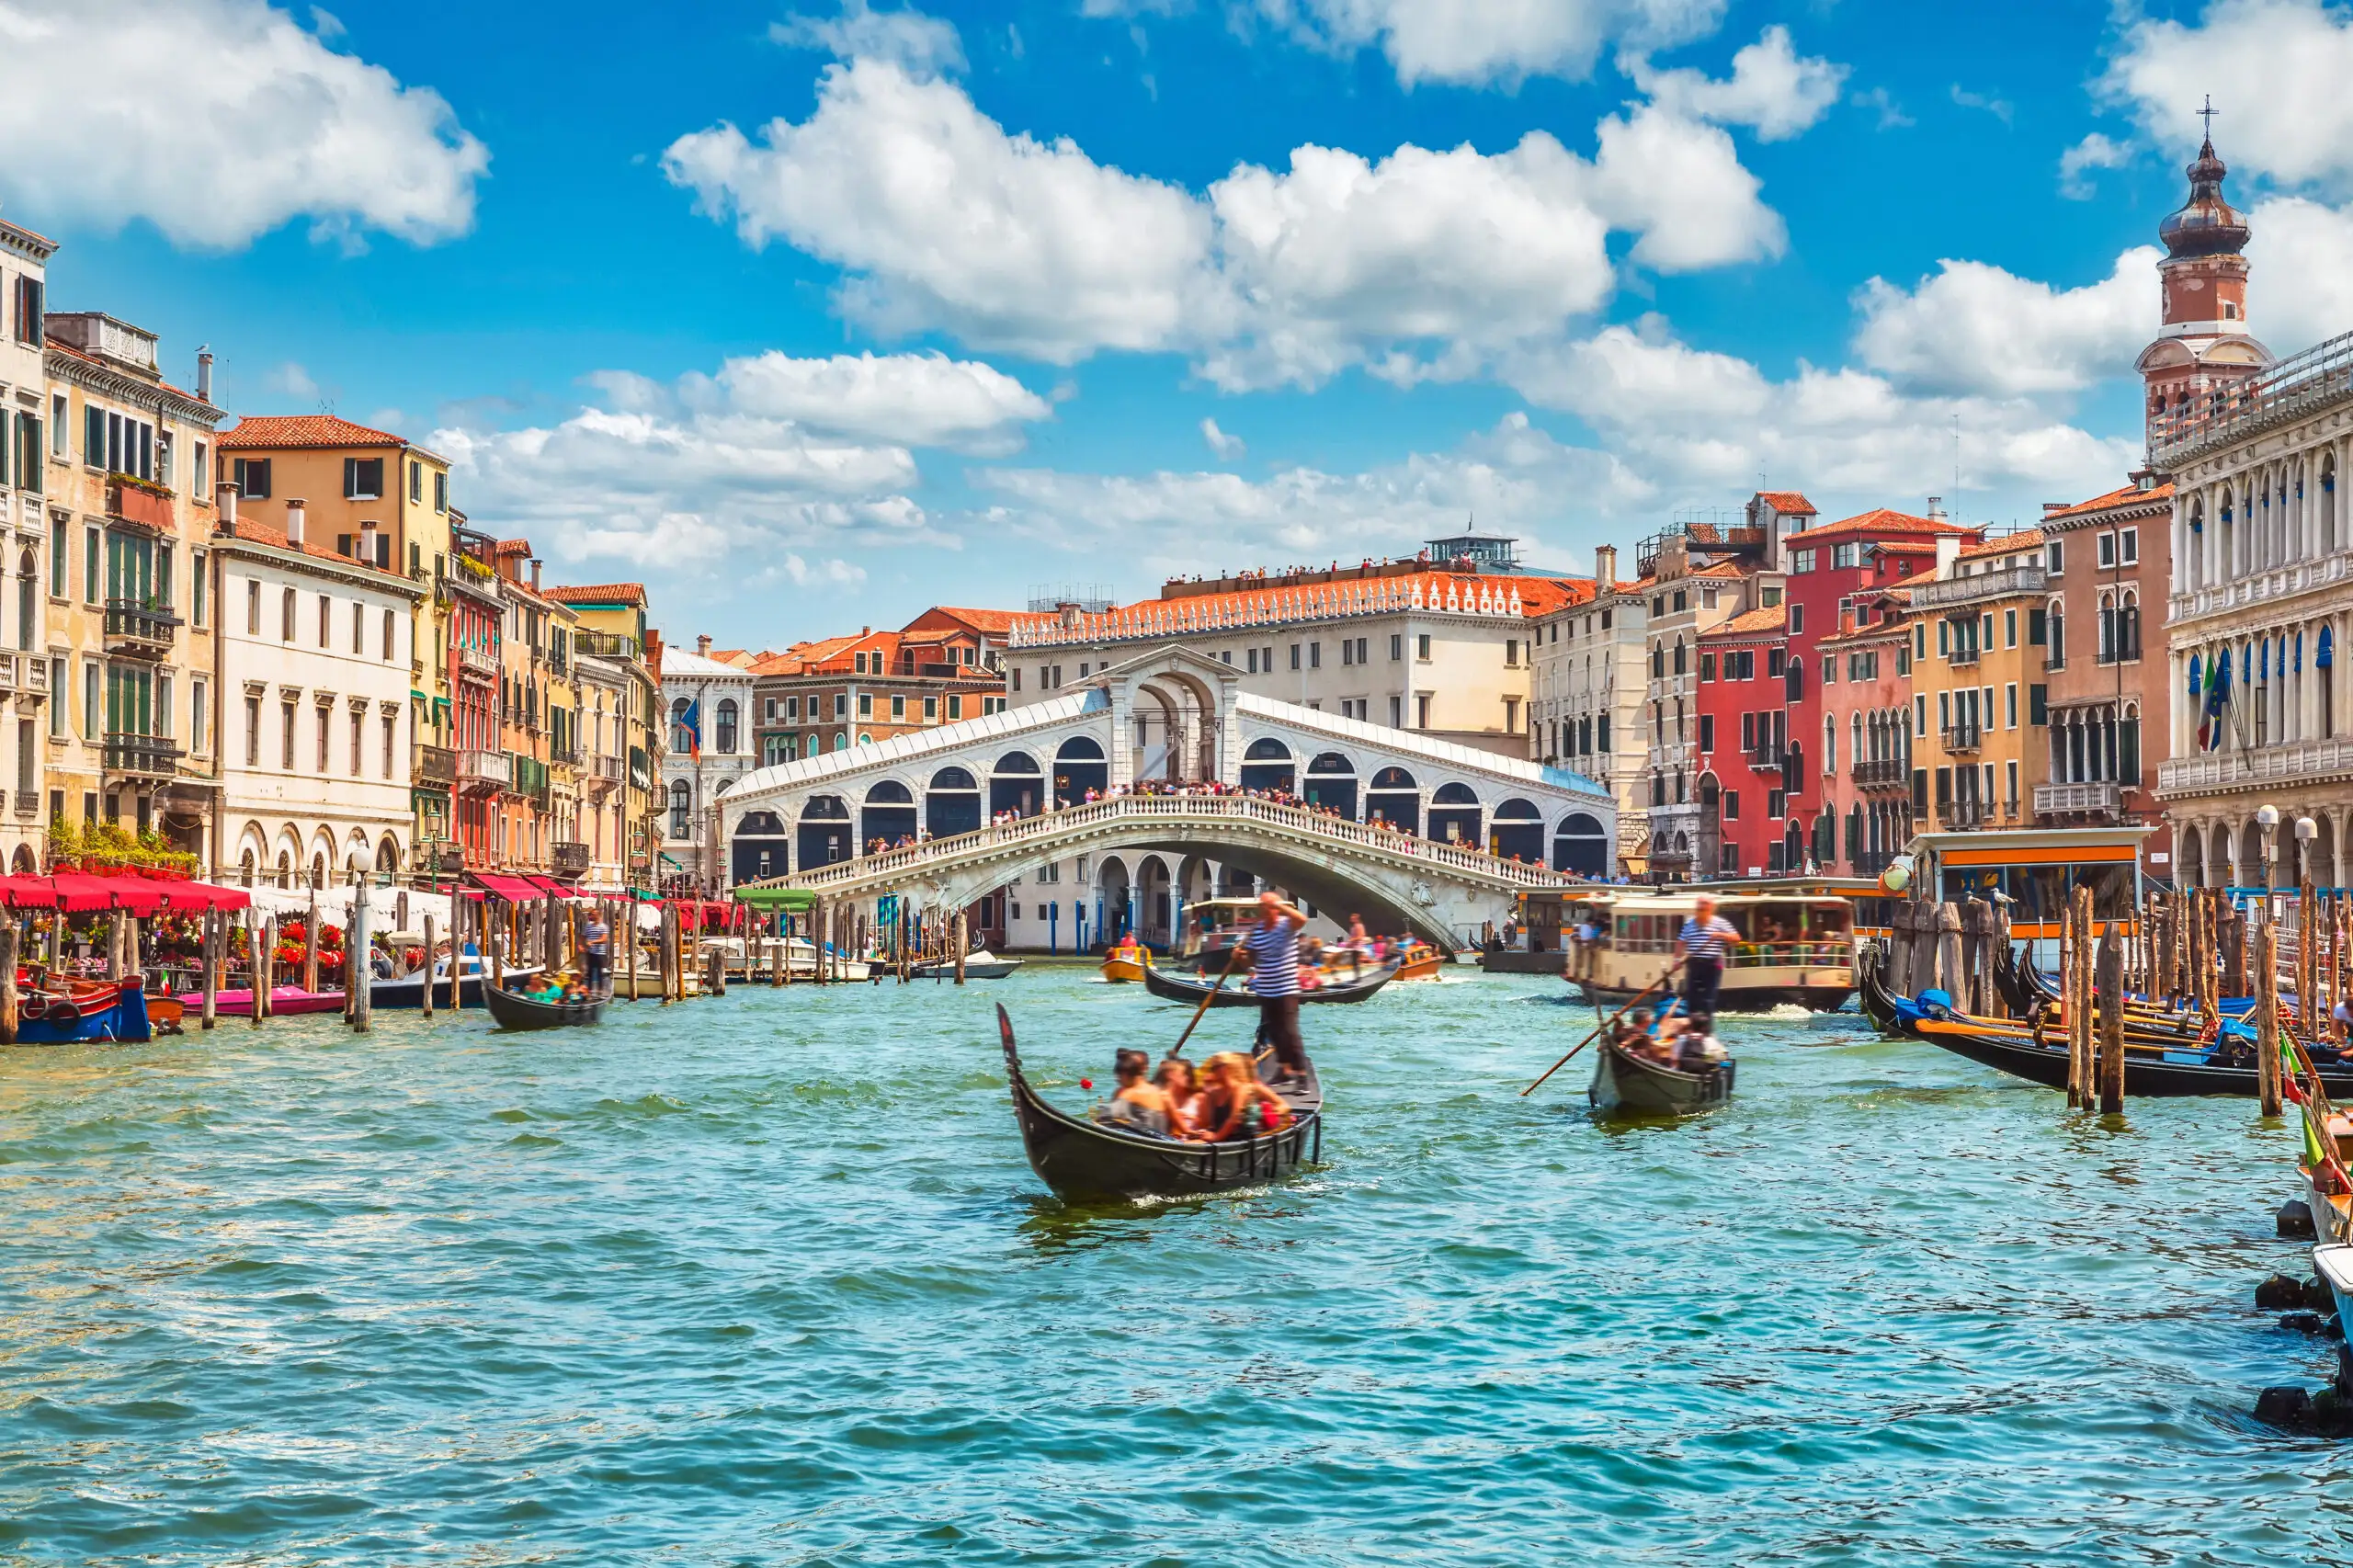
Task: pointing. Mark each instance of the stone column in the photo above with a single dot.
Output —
(2336, 820)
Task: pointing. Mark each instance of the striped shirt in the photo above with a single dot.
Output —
(1275, 951)
(1707, 942)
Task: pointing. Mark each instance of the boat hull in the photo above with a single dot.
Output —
(1079, 1159)
(120, 1015)
(1623, 1082)
(1753, 991)
(1178, 988)
(1122, 972)
(980, 969)
(2145, 1075)
(517, 1012)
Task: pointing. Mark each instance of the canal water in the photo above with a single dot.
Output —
(766, 1280)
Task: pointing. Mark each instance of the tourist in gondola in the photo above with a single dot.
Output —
(1700, 947)
(1139, 1106)
(1231, 1088)
(1273, 947)
(1181, 1082)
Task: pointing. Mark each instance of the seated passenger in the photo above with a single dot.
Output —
(1181, 1082)
(1139, 1106)
(1230, 1094)
(1695, 1048)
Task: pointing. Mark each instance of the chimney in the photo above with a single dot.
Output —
(1936, 508)
(204, 374)
(1605, 568)
(702, 645)
(294, 514)
(1948, 551)
(224, 501)
(535, 573)
(368, 542)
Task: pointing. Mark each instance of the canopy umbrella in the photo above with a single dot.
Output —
(79, 893)
(28, 892)
(792, 901)
(513, 889)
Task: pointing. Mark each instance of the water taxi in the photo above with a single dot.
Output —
(1795, 948)
(1124, 963)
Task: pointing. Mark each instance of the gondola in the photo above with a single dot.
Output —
(1871, 994)
(1175, 988)
(1077, 1157)
(514, 1011)
(2013, 1050)
(1622, 1081)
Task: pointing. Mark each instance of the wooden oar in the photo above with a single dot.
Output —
(1613, 1018)
(1178, 1049)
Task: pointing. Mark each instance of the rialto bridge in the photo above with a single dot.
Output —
(1410, 830)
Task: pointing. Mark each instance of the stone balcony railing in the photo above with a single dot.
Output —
(2293, 763)
(487, 772)
(2262, 587)
(2100, 798)
(478, 662)
(1884, 773)
(2024, 578)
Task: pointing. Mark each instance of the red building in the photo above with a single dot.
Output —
(1744, 743)
(474, 654)
(1828, 567)
(1866, 776)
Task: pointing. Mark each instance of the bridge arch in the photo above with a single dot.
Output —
(1517, 831)
(889, 814)
(824, 832)
(1332, 783)
(1455, 814)
(1080, 766)
(1269, 763)
(760, 846)
(1017, 784)
(951, 802)
(1395, 799)
(1581, 845)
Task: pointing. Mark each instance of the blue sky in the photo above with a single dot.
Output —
(808, 318)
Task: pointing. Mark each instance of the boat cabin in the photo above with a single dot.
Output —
(1795, 947)
(2037, 869)
(1214, 925)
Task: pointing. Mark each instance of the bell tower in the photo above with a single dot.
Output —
(2202, 347)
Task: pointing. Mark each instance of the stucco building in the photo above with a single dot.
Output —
(25, 401)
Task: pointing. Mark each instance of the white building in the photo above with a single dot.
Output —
(696, 683)
(310, 705)
(1586, 706)
(24, 673)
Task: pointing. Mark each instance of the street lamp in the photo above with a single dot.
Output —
(2306, 829)
(2268, 819)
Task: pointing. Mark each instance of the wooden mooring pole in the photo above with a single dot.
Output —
(2267, 1018)
(2111, 1022)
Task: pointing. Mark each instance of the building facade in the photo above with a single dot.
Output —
(1978, 684)
(26, 430)
(1689, 600)
(1587, 694)
(836, 692)
(128, 630)
(711, 749)
(1741, 737)
(622, 731)
(315, 721)
(1867, 767)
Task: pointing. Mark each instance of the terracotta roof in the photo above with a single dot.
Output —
(1914, 580)
(2008, 544)
(1753, 622)
(2129, 495)
(1879, 520)
(1789, 502)
(254, 531)
(735, 656)
(256, 431)
(507, 547)
(601, 593)
(996, 620)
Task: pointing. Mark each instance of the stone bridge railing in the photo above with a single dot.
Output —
(1030, 834)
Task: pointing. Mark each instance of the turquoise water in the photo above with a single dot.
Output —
(765, 1279)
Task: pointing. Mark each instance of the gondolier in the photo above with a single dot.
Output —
(1700, 947)
(594, 935)
(1273, 947)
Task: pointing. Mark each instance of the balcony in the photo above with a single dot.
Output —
(1961, 658)
(478, 662)
(135, 631)
(1961, 815)
(142, 757)
(2101, 799)
(571, 859)
(1960, 739)
(1887, 773)
(2054, 661)
(142, 506)
(561, 755)
(604, 646)
(485, 772)
(2298, 762)
(2300, 385)
(1768, 758)
(2261, 586)
(2127, 653)
(2024, 578)
(436, 765)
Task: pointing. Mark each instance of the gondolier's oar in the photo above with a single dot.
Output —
(1613, 1018)
(1178, 1049)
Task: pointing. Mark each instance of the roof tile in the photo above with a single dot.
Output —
(258, 430)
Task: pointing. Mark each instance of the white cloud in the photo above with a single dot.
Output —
(1474, 43)
(1688, 423)
(1973, 327)
(2299, 256)
(2277, 71)
(917, 400)
(922, 46)
(290, 379)
(218, 120)
(1423, 263)
(2000, 108)
(2094, 152)
(1771, 89)
(1882, 103)
(1227, 446)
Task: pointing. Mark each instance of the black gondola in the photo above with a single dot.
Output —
(515, 1011)
(1178, 988)
(1078, 1157)
(1622, 1081)
(2146, 1074)
(1871, 994)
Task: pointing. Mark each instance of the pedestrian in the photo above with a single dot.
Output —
(1700, 947)
(1273, 946)
(594, 935)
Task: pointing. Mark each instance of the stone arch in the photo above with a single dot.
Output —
(951, 803)
(822, 834)
(1516, 832)
(1017, 784)
(1115, 896)
(1332, 783)
(1080, 766)
(1153, 886)
(889, 814)
(388, 855)
(1580, 845)
(1395, 799)
(1268, 764)
(2189, 854)
(1454, 815)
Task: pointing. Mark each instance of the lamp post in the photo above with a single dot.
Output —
(2268, 819)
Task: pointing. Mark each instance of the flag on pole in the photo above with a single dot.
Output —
(692, 721)
(2218, 697)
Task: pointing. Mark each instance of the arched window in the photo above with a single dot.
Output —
(2054, 657)
(682, 800)
(1855, 752)
(726, 746)
(680, 742)
(2127, 627)
(1829, 745)
(245, 869)
(1678, 655)
(1265, 749)
(2108, 628)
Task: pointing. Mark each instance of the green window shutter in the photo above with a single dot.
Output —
(94, 436)
(2038, 707)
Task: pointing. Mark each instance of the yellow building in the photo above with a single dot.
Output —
(617, 700)
(379, 498)
(129, 633)
(1979, 697)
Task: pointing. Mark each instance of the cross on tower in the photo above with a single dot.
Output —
(2207, 114)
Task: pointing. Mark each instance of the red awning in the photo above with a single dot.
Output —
(203, 895)
(84, 895)
(513, 889)
(27, 892)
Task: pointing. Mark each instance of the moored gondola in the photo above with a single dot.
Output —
(2014, 1050)
(1871, 994)
(1081, 1158)
(1622, 1081)
(1183, 988)
(513, 1010)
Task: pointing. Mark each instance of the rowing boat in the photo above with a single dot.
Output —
(1178, 988)
(1622, 1081)
(515, 1011)
(1078, 1157)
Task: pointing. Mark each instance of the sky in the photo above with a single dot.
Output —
(810, 318)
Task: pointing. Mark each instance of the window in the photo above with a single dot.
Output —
(285, 621)
(415, 488)
(198, 711)
(931, 710)
(2054, 557)
(199, 475)
(2010, 628)
(2010, 706)
(196, 588)
(1511, 652)
(1251, 661)
(1396, 645)
(392, 634)
(1315, 655)
(1422, 648)
(358, 719)
(1797, 620)
(841, 710)
(57, 422)
(326, 620)
(2037, 705)
(440, 492)
(363, 478)
(59, 562)
(865, 705)
(1944, 710)
(2106, 551)
(90, 579)
(1706, 731)
(2129, 547)
(1732, 805)
(390, 726)
(323, 712)
(898, 709)
(251, 476)
(1844, 554)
